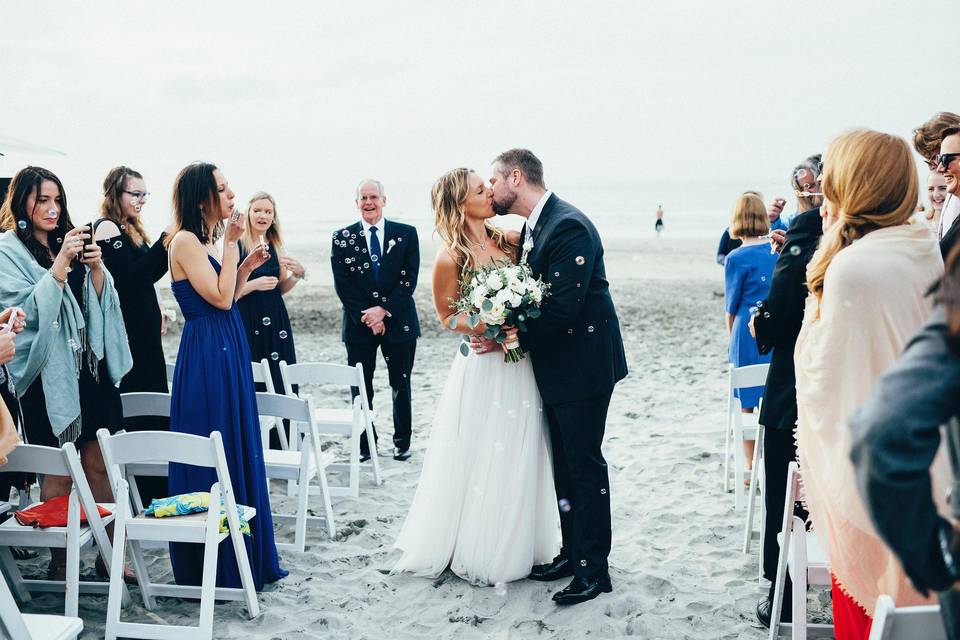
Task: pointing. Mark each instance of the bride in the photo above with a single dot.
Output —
(485, 506)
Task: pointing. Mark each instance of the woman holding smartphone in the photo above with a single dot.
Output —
(213, 383)
(52, 271)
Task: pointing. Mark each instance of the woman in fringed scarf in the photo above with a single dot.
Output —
(73, 352)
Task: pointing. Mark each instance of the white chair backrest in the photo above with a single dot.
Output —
(906, 623)
(170, 367)
(145, 403)
(319, 373)
(274, 405)
(32, 458)
(754, 375)
(261, 375)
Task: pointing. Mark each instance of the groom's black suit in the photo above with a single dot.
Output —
(577, 356)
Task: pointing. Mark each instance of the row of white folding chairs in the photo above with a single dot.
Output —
(301, 466)
(741, 427)
(351, 422)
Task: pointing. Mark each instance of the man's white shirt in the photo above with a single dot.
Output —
(535, 215)
(366, 234)
(948, 215)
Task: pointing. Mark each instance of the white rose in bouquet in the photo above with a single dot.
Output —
(503, 296)
(517, 285)
(533, 288)
(493, 282)
(495, 315)
(477, 297)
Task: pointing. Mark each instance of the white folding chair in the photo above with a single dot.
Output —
(805, 559)
(124, 449)
(73, 537)
(741, 427)
(262, 375)
(906, 623)
(29, 626)
(302, 466)
(344, 422)
(144, 404)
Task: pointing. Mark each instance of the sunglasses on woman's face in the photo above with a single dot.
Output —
(946, 158)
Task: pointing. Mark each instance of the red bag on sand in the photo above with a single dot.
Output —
(52, 513)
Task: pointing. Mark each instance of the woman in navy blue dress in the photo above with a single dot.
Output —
(212, 383)
(748, 271)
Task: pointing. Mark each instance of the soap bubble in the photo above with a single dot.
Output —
(59, 240)
(274, 356)
(374, 258)
(117, 244)
(22, 224)
(266, 321)
(564, 505)
(794, 250)
(283, 335)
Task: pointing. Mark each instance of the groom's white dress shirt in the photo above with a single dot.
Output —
(535, 214)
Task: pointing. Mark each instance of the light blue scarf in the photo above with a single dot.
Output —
(57, 335)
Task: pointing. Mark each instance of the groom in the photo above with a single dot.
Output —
(577, 356)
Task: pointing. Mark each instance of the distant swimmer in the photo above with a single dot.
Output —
(658, 225)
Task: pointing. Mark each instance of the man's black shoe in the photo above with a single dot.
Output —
(364, 457)
(583, 589)
(401, 455)
(765, 611)
(559, 568)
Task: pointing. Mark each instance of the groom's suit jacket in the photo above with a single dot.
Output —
(575, 345)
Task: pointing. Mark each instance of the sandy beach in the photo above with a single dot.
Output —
(676, 564)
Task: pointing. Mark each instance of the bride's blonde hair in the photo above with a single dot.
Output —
(872, 181)
(447, 197)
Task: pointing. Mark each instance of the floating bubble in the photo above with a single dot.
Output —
(366, 265)
(579, 260)
(564, 505)
(500, 588)
(256, 332)
(590, 329)
(603, 492)
(794, 250)
(274, 356)
(351, 241)
(753, 310)
(399, 239)
(353, 269)
(117, 244)
(362, 233)
(403, 273)
(406, 328)
(59, 240)
(122, 227)
(22, 224)
(345, 232)
(556, 274)
(375, 294)
(283, 334)
(266, 321)
(356, 248)
(374, 258)
(55, 324)
(766, 314)
(763, 278)
(407, 283)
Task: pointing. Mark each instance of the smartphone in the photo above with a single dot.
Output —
(8, 325)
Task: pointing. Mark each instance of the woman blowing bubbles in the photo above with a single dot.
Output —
(73, 352)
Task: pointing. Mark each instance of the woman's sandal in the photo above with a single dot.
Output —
(101, 568)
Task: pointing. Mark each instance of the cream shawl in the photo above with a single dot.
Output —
(873, 302)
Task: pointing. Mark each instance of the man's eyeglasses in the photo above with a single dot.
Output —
(945, 159)
(137, 195)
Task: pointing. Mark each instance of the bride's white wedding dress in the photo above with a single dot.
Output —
(485, 505)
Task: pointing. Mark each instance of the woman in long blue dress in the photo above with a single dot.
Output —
(212, 384)
(747, 272)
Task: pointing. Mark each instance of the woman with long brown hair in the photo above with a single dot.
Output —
(868, 282)
(136, 266)
(485, 506)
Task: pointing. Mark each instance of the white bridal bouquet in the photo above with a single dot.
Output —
(501, 295)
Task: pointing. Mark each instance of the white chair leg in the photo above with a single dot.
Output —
(728, 433)
(116, 565)
(243, 562)
(327, 506)
(374, 458)
(799, 553)
(355, 459)
(143, 576)
(14, 576)
(752, 491)
(208, 581)
(739, 463)
(72, 574)
(776, 607)
(300, 526)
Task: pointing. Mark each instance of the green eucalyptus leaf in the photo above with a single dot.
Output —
(473, 320)
(501, 338)
(453, 322)
(491, 332)
(533, 313)
(486, 305)
(464, 349)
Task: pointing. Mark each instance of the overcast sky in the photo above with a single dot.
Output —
(306, 98)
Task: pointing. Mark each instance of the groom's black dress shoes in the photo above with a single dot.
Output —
(765, 611)
(583, 589)
(559, 568)
(401, 455)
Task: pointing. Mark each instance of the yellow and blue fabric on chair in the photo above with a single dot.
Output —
(196, 502)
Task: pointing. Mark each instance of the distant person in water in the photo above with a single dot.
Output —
(658, 225)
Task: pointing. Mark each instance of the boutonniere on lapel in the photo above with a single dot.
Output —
(527, 248)
(391, 244)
